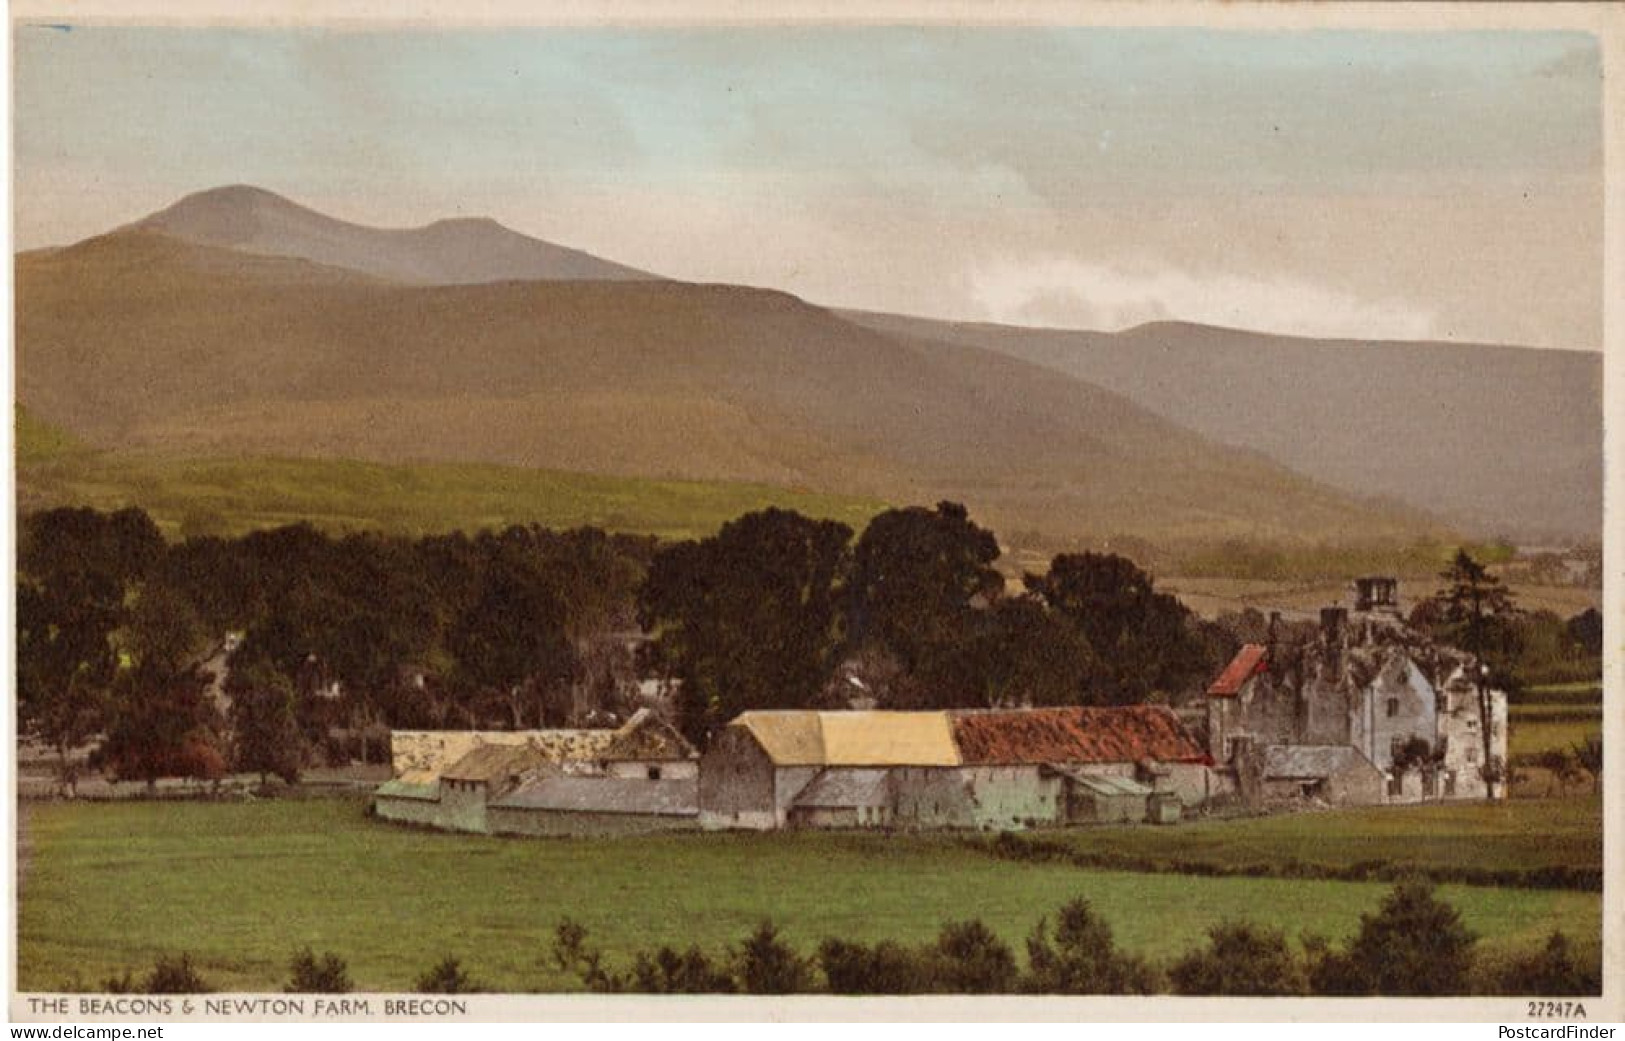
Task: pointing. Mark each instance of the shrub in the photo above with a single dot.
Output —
(969, 959)
(668, 972)
(312, 975)
(571, 954)
(1552, 972)
(768, 965)
(175, 976)
(1083, 958)
(885, 968)
(1240, 959)
(447, 977)
(1414, 946)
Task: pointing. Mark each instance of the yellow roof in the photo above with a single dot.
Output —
(854, 738)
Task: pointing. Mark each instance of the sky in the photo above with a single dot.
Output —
(1366, 184)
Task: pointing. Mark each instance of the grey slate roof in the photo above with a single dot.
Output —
(1310, 761)
(663, 798)
(846, 787)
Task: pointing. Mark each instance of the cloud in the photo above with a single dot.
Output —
(1073, 293)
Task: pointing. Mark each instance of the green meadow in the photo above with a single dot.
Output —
(111, 886)
(232, 496)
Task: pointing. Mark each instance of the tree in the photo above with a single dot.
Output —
(176, 976)
(162, 722)
(1023, 654)
(74, 568)
(511, 644)
(916, 577)
(768, 965)
(1476, 613)
(1142, 639)
(1585, 629)
(1240, 959)
(312, 975)
(969, 959)
(1588, 754)
(64, 666)
(747, 618)
(668, 971)
(266, 736)
(1553, 971)
(1414, 946)
(1083, 959)
(447, 977)
(885, 968)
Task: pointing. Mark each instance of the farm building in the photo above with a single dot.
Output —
(639, 776)
(1368, 685)
(965, 769)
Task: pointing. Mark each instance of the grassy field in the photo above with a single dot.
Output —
(232, 496)
(1518, 834)
(240, 886)
(1527, 737)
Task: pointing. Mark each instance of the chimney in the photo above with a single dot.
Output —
(1333, 620)
(1377, 593)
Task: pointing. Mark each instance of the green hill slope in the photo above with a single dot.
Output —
(138, 341)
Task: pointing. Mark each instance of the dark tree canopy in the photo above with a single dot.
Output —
(1143, 640)
(747, 618)
(915, 575)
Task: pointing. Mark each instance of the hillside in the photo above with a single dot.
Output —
(460, 251)
(140, 341)
(1505, 441)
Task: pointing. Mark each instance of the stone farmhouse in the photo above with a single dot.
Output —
(642, 776)
(1366, 711)
(999, 769)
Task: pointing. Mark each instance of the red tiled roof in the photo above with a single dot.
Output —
(1075, 735)
(1248, 662)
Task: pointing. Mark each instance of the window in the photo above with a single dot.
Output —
(1393, 707)
(654, 773)
(1396, 785)
(1472, 754)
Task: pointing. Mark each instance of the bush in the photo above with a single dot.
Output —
(1083, 959)
(1414, 946)
(175, 976)
(668, 972)
(969, 959)
(447, 977)
(312, 975)
(1240, 959)
(885, 968)
(1552, 972)
(768, 965)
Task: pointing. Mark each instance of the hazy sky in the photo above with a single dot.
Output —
(1342, 183)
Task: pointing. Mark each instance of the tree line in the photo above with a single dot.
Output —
(1413, 945)
(528, 627)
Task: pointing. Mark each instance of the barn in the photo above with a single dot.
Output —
(1001, 769)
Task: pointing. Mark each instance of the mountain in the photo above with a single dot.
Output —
(139, 339)
(1504, 441)
(462, 251)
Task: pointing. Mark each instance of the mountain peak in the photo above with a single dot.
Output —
(451, 251)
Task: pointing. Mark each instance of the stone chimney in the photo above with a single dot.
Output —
(1333, 622)
(1377, 593)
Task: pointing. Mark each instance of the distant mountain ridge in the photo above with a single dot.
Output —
(1501, 440)
(142, 338)
(457, 251)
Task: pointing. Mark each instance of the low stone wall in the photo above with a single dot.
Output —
(512, 821)
(408, 811)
